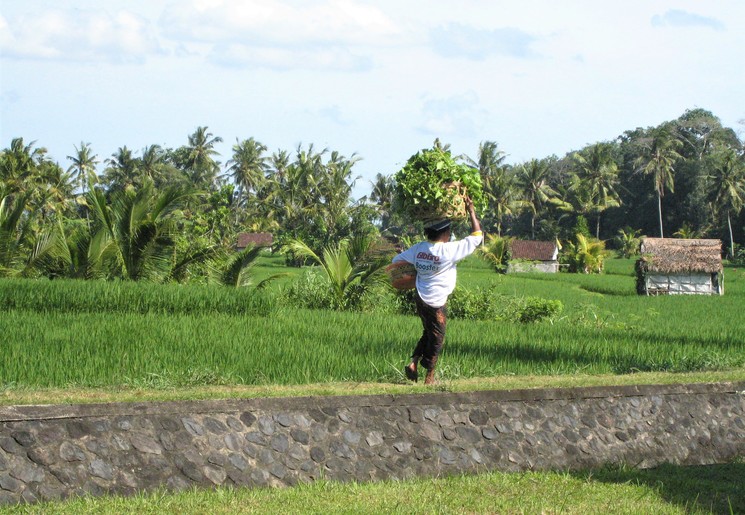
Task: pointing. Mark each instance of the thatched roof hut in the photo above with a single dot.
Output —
(671, 266)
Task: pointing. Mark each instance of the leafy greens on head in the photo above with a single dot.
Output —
(431, 185)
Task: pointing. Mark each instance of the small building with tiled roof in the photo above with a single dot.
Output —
(533, 256)
(260, 239)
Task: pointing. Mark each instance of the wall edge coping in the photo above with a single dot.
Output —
(30, 412)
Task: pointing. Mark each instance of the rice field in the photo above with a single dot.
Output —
(95, 334)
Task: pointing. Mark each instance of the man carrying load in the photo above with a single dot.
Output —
(435, 261)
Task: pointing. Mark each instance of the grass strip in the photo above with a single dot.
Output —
(35, 396)
(620, 490)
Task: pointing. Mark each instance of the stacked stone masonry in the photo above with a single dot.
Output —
(54, 452)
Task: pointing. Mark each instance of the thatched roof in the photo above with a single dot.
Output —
(533, 250)
(673, 256)
(260, 239)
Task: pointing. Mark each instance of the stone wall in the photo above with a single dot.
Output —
(51, 452)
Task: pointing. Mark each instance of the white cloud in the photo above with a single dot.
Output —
(457, 40)
(70, 35)
(678, 18)
(281, 34)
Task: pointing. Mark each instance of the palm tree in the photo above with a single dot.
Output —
(496, 251)
(335, 190)
(586, 255)
(248, 166)
(350, 267)
(136, 229)
(536, 191)
(383, 188)
(597, 168)
(121, 170)
(83, 166)
(728, 186)
(501, 193)
(490, 160)
(658, 155)
(628, 241)
(24, 250)
(152, 164)
(19, 166)
(200, 163)
(55, 190)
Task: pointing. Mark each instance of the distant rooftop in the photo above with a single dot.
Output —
(534, 250)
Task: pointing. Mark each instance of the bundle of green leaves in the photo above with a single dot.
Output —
(432, 186)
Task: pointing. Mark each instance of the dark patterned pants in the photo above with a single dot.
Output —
(430, 344)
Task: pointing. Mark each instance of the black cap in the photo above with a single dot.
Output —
(439, 226)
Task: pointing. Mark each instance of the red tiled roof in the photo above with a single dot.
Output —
(263, 239)
(533, 250)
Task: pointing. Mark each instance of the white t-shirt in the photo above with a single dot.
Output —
(435, 266)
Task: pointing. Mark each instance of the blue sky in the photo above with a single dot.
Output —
(381, 79)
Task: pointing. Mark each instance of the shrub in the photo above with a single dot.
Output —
(535, 309)
(496, 251)
(486, 304)
(585, 255)
(628, 241)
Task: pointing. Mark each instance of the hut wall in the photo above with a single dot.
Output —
(689, 283)
(548, 267)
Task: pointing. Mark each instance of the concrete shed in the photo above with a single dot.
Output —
(670, 266)
(533, 256)
(257, 239)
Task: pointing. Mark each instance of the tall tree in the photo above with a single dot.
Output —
(200, 153)
(83, 166)
(382, 196)
(728, 186)
(248, 166)
(658, 154)
(532, 178)
(121, 170)
(597, 168)
(490, 159)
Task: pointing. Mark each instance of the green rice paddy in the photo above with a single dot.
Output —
(63, 334)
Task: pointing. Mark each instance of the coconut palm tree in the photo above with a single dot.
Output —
(585, 255)
(19, 166)
(490, 159)
(532, 179)
(248, 166)
(152, 165)
(597, 168)
(121, 170)
(501, 191)
(350, 267)
(628, 241)
(136, 230)
(25, 251)
(658, 154)
(200, 153)
(383, 188)
(496, 251)
(727, 181)
(83, 166)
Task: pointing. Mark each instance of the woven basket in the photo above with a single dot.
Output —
(402, 275)
(453, 209)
